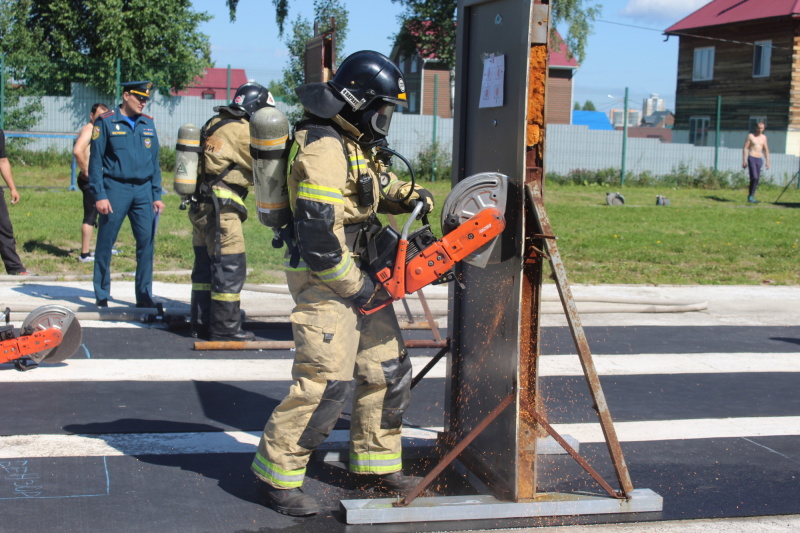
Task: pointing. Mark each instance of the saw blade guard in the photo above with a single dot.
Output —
(470, 196)
(55, 316)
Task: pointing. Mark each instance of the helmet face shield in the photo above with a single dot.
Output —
(382, 119)
(375, 121)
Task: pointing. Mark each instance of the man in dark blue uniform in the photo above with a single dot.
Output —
(125, 180)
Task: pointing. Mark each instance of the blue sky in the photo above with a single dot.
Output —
(626, 48)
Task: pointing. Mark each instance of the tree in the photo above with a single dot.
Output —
(18, 114)
(588, 105)
(57, 42)
(281, 12)
(302, 32)
(576, 107)
(422, 16)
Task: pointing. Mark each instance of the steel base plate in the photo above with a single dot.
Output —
(444, 508)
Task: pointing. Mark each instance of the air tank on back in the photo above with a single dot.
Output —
(269, 134)
(187, 156)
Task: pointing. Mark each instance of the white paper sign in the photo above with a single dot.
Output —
(494, 68)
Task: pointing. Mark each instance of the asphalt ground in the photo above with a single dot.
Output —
(139, 432)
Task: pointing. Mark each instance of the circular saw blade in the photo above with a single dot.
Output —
(468, 198)
(55, 316)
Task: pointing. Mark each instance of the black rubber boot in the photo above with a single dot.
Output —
(200, 312)
(201, 293)
(290, 501)
(226, 285)
(396, 482)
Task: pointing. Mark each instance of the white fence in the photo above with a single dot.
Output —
(568, 147)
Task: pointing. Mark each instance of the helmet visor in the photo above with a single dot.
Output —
(382, 118)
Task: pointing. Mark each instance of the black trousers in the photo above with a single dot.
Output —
(8, 245)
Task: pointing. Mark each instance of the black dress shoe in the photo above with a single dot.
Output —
(101, 303)
(146, 303)
(240, 336)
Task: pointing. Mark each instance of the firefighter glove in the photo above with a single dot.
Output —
(421, 195)
(365, 294)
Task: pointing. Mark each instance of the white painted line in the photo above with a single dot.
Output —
(118, 444)
(700, 428)
(280, 369)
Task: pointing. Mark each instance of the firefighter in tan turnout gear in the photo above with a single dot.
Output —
(336, 185)
(218, 210)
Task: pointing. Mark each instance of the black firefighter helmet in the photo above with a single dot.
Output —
(251, 97)
(364, 91)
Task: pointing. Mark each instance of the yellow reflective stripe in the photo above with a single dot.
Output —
(357, 163)
(225, 297)
(269, 142)
(375, 463)
(319, 192)
(189, 142)
(225, 194)
(288, 479)
(201, 286)
(389, 185)
(339, 271)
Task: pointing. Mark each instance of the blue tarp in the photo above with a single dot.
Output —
(596, 120)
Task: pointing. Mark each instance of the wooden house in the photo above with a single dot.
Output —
(744, 57)
(427, 76)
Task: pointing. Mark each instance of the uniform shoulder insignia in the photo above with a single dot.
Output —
(147, 116)
(107, 114)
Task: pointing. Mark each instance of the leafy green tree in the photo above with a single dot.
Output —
(302, 32)
(576, 107)
(18, 113)
(281, 12)
(58, 42)
(588, 105)
(421, 15)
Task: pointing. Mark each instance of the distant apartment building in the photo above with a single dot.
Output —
(617, 120)
(652, 104)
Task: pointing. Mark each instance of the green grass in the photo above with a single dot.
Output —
(704, 237)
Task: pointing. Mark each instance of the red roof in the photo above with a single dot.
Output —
(215, 81)
(560, 58)
(718, 12)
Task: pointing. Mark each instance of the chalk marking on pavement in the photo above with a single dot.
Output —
(118, 444)
(773, 451)
(280, 369)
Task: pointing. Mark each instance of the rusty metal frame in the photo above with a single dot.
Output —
(536, 202)
(455, 452)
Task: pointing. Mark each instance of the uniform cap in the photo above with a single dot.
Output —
(142, 88)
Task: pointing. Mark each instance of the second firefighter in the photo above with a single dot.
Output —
(217, 213)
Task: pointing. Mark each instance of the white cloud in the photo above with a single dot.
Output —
(661, 11)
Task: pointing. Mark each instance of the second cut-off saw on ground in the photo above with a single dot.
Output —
(473, 217)
(49, 334)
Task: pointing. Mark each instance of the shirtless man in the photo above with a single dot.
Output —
(755, 149)
(81, 152)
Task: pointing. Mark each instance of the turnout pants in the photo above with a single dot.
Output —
(334, 346)
(133, 200)
(217, 281)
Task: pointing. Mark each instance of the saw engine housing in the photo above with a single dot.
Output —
(404, 264)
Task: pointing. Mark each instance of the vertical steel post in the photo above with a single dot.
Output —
(624, 138)
(716, 136)
(117, 95)
(435, 117)
(228, 86)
